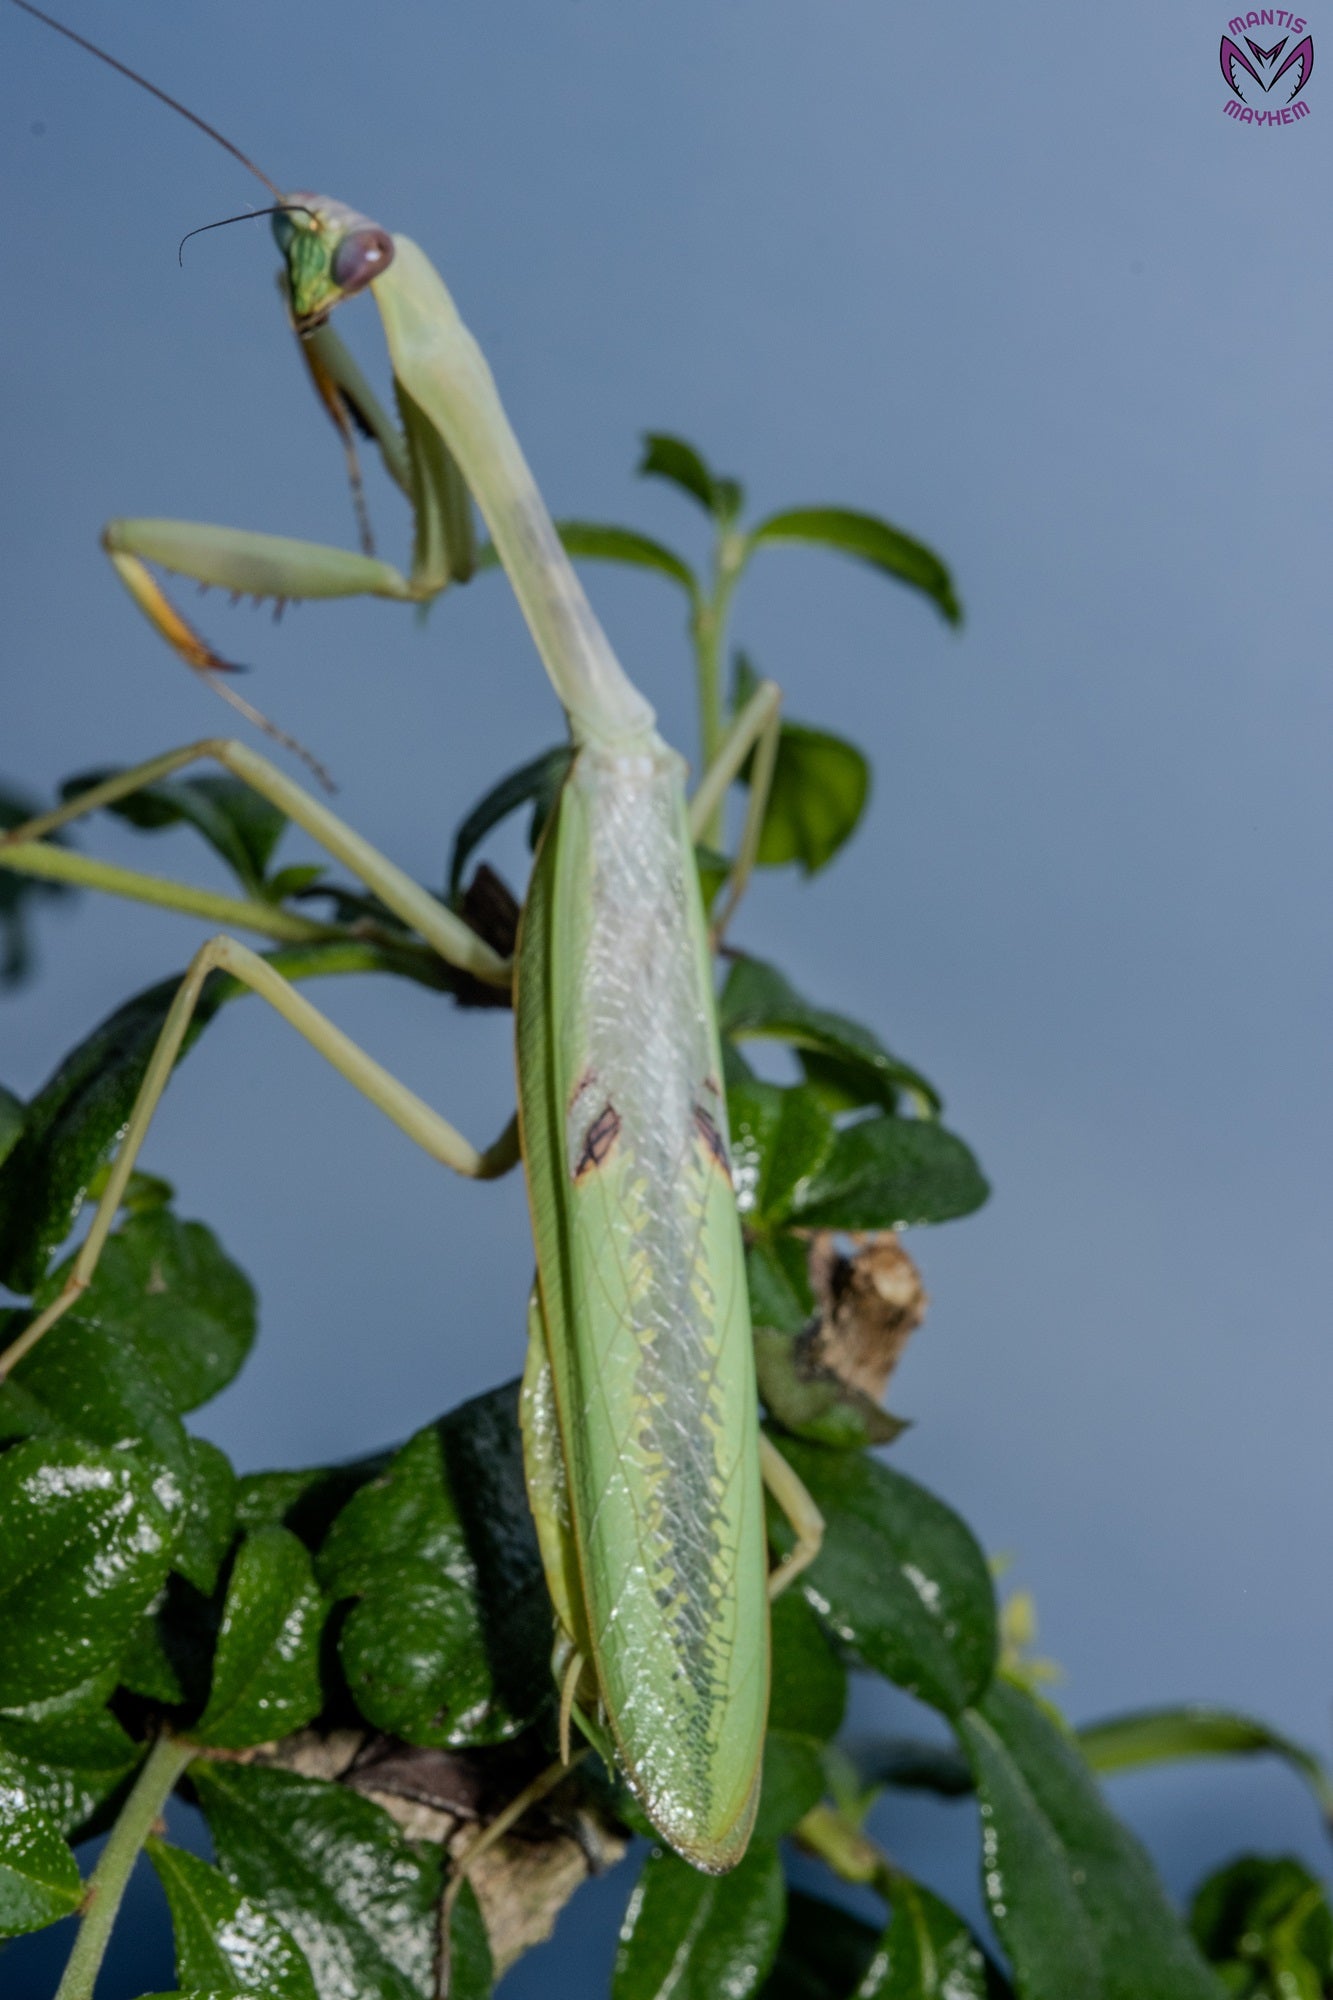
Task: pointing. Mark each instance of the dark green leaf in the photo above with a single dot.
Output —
(777, 1268)
(1266, 1926)
(1165, 1735)
(69, 1752)
(471, 1973)
(590, 541)
(671, 458)
(210, 1515)
(84, 1548)
(448, 1642)
(225, 1940)
(307, 1501)
(537, 782)
(793, 1781)
(266, 1670)
(811, 1401)
(690, 1936)
(899, 1577)
(233, 818)
(168, 1289)
(926, 1953)
(912, 1765)
(759, 1004)
(11, 1122)
(808, 1692)
(779, 1140)
(39, 1879)
(869, 540)
(1075, 1900)
(884, 1173)
(824, 1953)
(335, 1871)
(821, 783)
(169, 1655)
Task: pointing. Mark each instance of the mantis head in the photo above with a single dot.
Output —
(330, 251)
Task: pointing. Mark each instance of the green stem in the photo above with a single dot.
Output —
(153, 1787)
(708, 629)
(844, 1848)
(61, 864)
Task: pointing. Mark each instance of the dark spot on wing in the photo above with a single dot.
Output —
(712, 1138)
(600, 1137)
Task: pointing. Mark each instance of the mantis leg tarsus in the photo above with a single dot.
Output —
(807, 1523)
(409, 1112)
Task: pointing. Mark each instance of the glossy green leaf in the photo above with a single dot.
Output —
(84, 1548)
(306, 1501)
(11, 1122)
(808, 1687)
(39, 1878)
(1267, 1928)
(358, 1898)
(793, 1782)
(690, 1936)
(592, 541)
(68, 1752)
(820, 788)
(449, 1641)
(471, 1972)
(926, 1953)
(1166, 1735)
(886, 1173)
(671, 458)
(18, 893)
(779, 1139)
(168, 1289)
(778, 1276)
(759, 1004)
(226, 1941)
(266, 1669)
(168, 1657)
(899, 1577)
(1075, 1899)
(824, 1952)
(536, 783)
(870, 540)
(236, 822)
(209, 1521)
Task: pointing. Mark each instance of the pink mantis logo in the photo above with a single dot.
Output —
(1267, 80)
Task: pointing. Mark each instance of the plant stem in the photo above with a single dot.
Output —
(708, 629)
(152, 1788)
(843, 1847)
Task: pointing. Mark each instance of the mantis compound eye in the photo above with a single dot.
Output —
(361, 256)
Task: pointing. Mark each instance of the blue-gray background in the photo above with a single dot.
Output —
(1005, 275)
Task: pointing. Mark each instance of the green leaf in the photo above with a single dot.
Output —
(779, 1140)
(68, 1752)
(869, 540)
(18, 893)
(39, 1878)
(11, 1122)
(226, 1941)
(777, 1269)
(913, 1765)
(590, 541)
(471, 1972)
(759, 1004)
(169, 1655)
(448, 1643)
(210, 1515)
(824, 1953)
(808, 1690)
(926, 1953)
(306, 1501)
(811, 1401)
(793, 1782)
(671, 458)
(886, 1173)
(1075, 1899)
(899, 1577)
(84, 1548)
(690, 1936)
(168, 1289)
(537, 782)
(1266, 1925)
(235, 821)
(266, 1669)
(358, 1898)
(1165, 1735)
(820, 787)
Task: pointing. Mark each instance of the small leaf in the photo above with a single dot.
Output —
(690, 1936)
(358, 1898)
(1266, 1926)
(869, 540)
(885, 1173)
(210, 1515)
(779, 1140)
(39, 1878)
(233, 818)
(759, 1004)
(1075, 1900)
(820, 787)
(266, 1669)
(671, 458)
(899, 1577)
(226, 1941)
(926, 1953)
(83, 1551)
(824, 1952)
(590, 541)
(471, 1971)
(69, 1752)
(537, 782)
(1166, 1735)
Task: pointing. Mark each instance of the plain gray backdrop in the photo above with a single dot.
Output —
(1007, 276)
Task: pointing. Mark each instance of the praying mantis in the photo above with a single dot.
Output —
(644, 1459)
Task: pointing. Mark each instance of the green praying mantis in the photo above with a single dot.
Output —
(644, 1459)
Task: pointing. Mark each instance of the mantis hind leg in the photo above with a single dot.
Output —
(755, 730)
(409, 1112)
(807, 1523)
